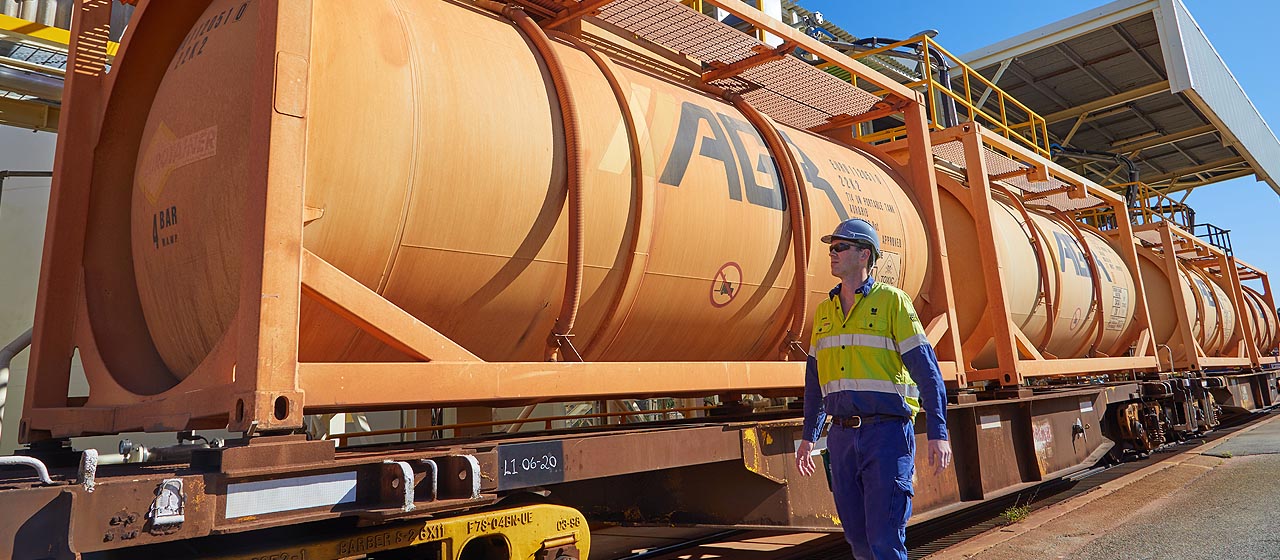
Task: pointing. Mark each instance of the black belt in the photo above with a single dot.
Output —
(861, 421)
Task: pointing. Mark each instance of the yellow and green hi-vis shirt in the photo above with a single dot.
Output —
(872, 359)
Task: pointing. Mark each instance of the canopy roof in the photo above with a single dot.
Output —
(1140, 78)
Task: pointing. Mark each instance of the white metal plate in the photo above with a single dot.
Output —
(989, 421)
(272, 496)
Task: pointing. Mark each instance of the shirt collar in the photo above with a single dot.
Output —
(863, 290)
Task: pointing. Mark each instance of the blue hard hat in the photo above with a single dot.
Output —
(856, 229)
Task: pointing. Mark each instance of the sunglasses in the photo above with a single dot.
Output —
(842, 247)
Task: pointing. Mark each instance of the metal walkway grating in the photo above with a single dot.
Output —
(788, 90)
(1000, 164)
(31, 72)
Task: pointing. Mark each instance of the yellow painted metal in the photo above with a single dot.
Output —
(21, 30)
(442, 190)
(1211, 166)
(695, 4)
(1151, 206)
(1220, 176)
(1010, 118)
(28, 114)
(761, 35)
(536, 531)
(1109, 102)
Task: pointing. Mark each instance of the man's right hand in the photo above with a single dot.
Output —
(804, 458)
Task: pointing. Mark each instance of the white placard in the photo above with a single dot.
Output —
(272, 496)
(989, 421)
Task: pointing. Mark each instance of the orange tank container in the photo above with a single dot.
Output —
(1264, 320)
(435, 166)
(1068, 279)
(1201, 314)
(1037, 293)
(277, 200)
(1211, 309)
(1164, 312)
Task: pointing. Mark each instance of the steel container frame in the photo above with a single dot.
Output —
(254, 382)
(1018, 359)
(257, 385)
(1174, 247)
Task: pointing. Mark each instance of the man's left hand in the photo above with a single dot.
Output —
(939, 454)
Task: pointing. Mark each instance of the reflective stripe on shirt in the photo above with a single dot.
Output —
(872, 385)
(868, 340)
(912, 343)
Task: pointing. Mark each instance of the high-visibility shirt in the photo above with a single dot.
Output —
(872, 360)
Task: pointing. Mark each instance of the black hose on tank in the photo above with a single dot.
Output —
(1131, 194)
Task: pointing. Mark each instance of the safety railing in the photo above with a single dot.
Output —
(1153, 206)
(1214, 235)
(695, 4)
(702, 7)
(1100, 217)
(975, 98)
(1147, 206)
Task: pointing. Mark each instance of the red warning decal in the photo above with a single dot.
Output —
(726, 284)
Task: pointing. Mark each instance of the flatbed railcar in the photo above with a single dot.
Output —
(271, 210)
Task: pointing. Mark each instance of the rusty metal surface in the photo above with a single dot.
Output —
(1248, 392)
(263, 454)
(736, 473)
(118, 513)
(40, 526)
(1025, 441)
(331, 386)
(731, 473)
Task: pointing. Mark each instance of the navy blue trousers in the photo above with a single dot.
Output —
(871, 472)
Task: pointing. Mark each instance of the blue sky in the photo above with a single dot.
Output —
(1238, 29)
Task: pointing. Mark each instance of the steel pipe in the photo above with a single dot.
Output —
(20, 461)
(7, 354)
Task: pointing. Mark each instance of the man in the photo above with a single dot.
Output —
(871, 368)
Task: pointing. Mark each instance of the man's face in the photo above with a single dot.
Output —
(847, 258)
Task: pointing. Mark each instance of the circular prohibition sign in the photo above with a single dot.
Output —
(726, 284)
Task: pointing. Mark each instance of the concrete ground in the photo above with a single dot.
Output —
(1221, 500)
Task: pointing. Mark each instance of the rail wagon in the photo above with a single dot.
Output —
(269, 211)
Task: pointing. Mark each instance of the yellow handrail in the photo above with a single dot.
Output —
(695, 4)
(53, 38)
(1036, 135)
(1150, 206)
(1153, 206)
